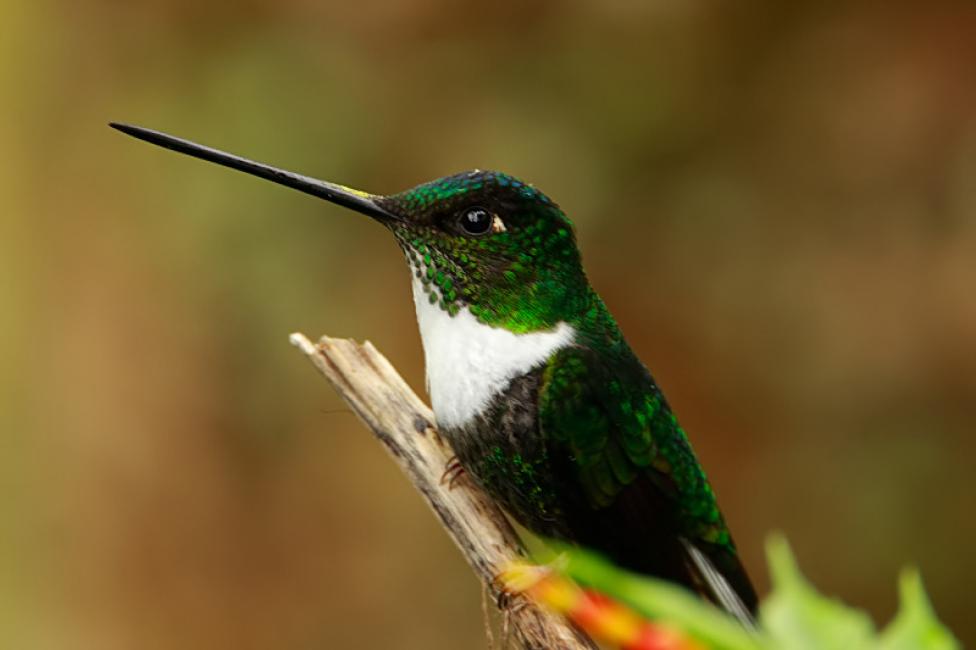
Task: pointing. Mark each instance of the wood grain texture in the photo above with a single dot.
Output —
(405, 425)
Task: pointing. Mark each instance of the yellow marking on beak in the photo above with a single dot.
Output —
(361, 194)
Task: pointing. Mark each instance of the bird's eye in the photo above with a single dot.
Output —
(475, 221)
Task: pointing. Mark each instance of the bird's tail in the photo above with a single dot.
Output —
(740, 603)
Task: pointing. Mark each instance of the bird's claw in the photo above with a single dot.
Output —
(453, 472)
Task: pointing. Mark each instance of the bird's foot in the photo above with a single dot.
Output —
(453, 472)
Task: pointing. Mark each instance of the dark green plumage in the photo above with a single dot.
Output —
(584, 447)
(524, 278)
(631, 459)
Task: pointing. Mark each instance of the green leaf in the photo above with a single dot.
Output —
(796, 617)
(915, 627)
(793, 617)
(660, 601)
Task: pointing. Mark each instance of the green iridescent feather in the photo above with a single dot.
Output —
(618, 429)
(529, 278)
(523, 278)
(597, 405)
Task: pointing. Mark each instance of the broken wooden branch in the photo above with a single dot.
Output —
(405, 425)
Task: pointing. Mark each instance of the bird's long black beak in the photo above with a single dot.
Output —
(338, 194)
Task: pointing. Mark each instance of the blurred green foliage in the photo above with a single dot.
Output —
(776, 200)
(794, 616)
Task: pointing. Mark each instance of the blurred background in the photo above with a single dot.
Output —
(776, 199)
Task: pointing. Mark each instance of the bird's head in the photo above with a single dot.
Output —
(480, 240)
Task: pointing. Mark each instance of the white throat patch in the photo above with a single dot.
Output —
(469, 362)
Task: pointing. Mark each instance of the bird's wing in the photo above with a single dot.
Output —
(642, 497)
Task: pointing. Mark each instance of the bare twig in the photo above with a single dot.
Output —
(405, 425)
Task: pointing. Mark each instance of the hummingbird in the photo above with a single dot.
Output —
(531, 381)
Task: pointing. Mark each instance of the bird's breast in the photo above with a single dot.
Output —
(468, 362)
